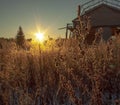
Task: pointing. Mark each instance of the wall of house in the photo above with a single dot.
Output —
(104, 15)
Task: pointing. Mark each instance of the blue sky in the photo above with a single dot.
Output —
(48, 15)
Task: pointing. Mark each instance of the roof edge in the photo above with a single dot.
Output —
(98, 6)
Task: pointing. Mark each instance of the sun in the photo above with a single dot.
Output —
(40, 36)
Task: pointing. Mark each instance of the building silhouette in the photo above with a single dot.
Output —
(102, 13)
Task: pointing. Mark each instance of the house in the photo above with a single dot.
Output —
(102, 13)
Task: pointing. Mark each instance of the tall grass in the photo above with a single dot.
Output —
(60, 73)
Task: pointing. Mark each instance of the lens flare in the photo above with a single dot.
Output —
(40, 36)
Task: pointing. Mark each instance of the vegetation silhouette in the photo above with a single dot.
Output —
(20, 38)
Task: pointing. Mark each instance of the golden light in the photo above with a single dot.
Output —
(40, 36)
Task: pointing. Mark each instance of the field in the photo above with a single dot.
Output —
(60, 72)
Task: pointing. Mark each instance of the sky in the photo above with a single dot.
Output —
(31, 15)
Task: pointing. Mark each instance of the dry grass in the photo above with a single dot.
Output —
(60, 73)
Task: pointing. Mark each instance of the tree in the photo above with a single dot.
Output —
(20, 38)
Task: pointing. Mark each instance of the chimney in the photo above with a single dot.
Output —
(78, 10)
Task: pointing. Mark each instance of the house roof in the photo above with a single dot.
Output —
(92, 4)
(101, 5)
(98, 4)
